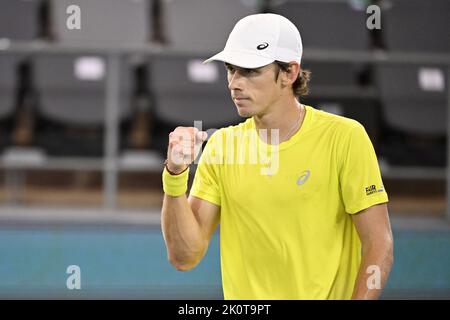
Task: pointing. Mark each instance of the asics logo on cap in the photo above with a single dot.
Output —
(262, 46)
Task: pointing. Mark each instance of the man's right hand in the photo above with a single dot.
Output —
(184, 146)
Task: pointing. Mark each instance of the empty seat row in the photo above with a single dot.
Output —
(69, 95)
(192, 24)
(406, 25)
(178, 90)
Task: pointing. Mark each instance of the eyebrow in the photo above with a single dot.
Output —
(228, 65)
(231, 66)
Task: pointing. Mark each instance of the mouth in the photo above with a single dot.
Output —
(238, 99)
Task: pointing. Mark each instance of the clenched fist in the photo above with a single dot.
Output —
(184, 146)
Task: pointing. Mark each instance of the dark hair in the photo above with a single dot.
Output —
(300, 86)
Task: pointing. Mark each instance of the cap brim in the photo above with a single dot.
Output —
(241, 59)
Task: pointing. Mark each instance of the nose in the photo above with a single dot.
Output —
(234, 81)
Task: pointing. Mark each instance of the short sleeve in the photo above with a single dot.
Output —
(206, 184)
(359, 176)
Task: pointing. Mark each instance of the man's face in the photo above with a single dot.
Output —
(253, 90)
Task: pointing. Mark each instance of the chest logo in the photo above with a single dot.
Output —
(303, 177)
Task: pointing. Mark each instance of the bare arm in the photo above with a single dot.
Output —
(187, 228)
(374, 230)
(187, 224)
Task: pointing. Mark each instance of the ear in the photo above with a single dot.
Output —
(289, 76)
(294, 69)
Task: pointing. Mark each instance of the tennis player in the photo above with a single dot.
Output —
(297, 192)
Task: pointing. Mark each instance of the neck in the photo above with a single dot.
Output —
(284, 117)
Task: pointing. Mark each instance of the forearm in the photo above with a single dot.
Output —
(374, 271)
(182, 233)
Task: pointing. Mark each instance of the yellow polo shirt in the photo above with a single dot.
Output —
(286, 230)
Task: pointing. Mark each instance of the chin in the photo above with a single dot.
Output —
(244, 112)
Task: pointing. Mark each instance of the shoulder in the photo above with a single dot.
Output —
(336, 121)
(338, 126)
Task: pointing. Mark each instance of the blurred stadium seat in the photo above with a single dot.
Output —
(19, 19)
(416, 25)
(111, 23)
(203, 25)
(414, 108)
(71, 104)
(327, 24)
(184, 90)
(9, 85)
(104, 22)
(414, 97)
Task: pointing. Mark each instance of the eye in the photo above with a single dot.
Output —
(248, 72)
(229, 68)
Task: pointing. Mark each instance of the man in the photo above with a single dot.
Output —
(297, 191)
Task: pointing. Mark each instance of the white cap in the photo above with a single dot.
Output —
(260, 39)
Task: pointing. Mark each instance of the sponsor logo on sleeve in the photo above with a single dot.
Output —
(373, 189)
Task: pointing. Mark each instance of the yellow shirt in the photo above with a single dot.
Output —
(287, 232)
